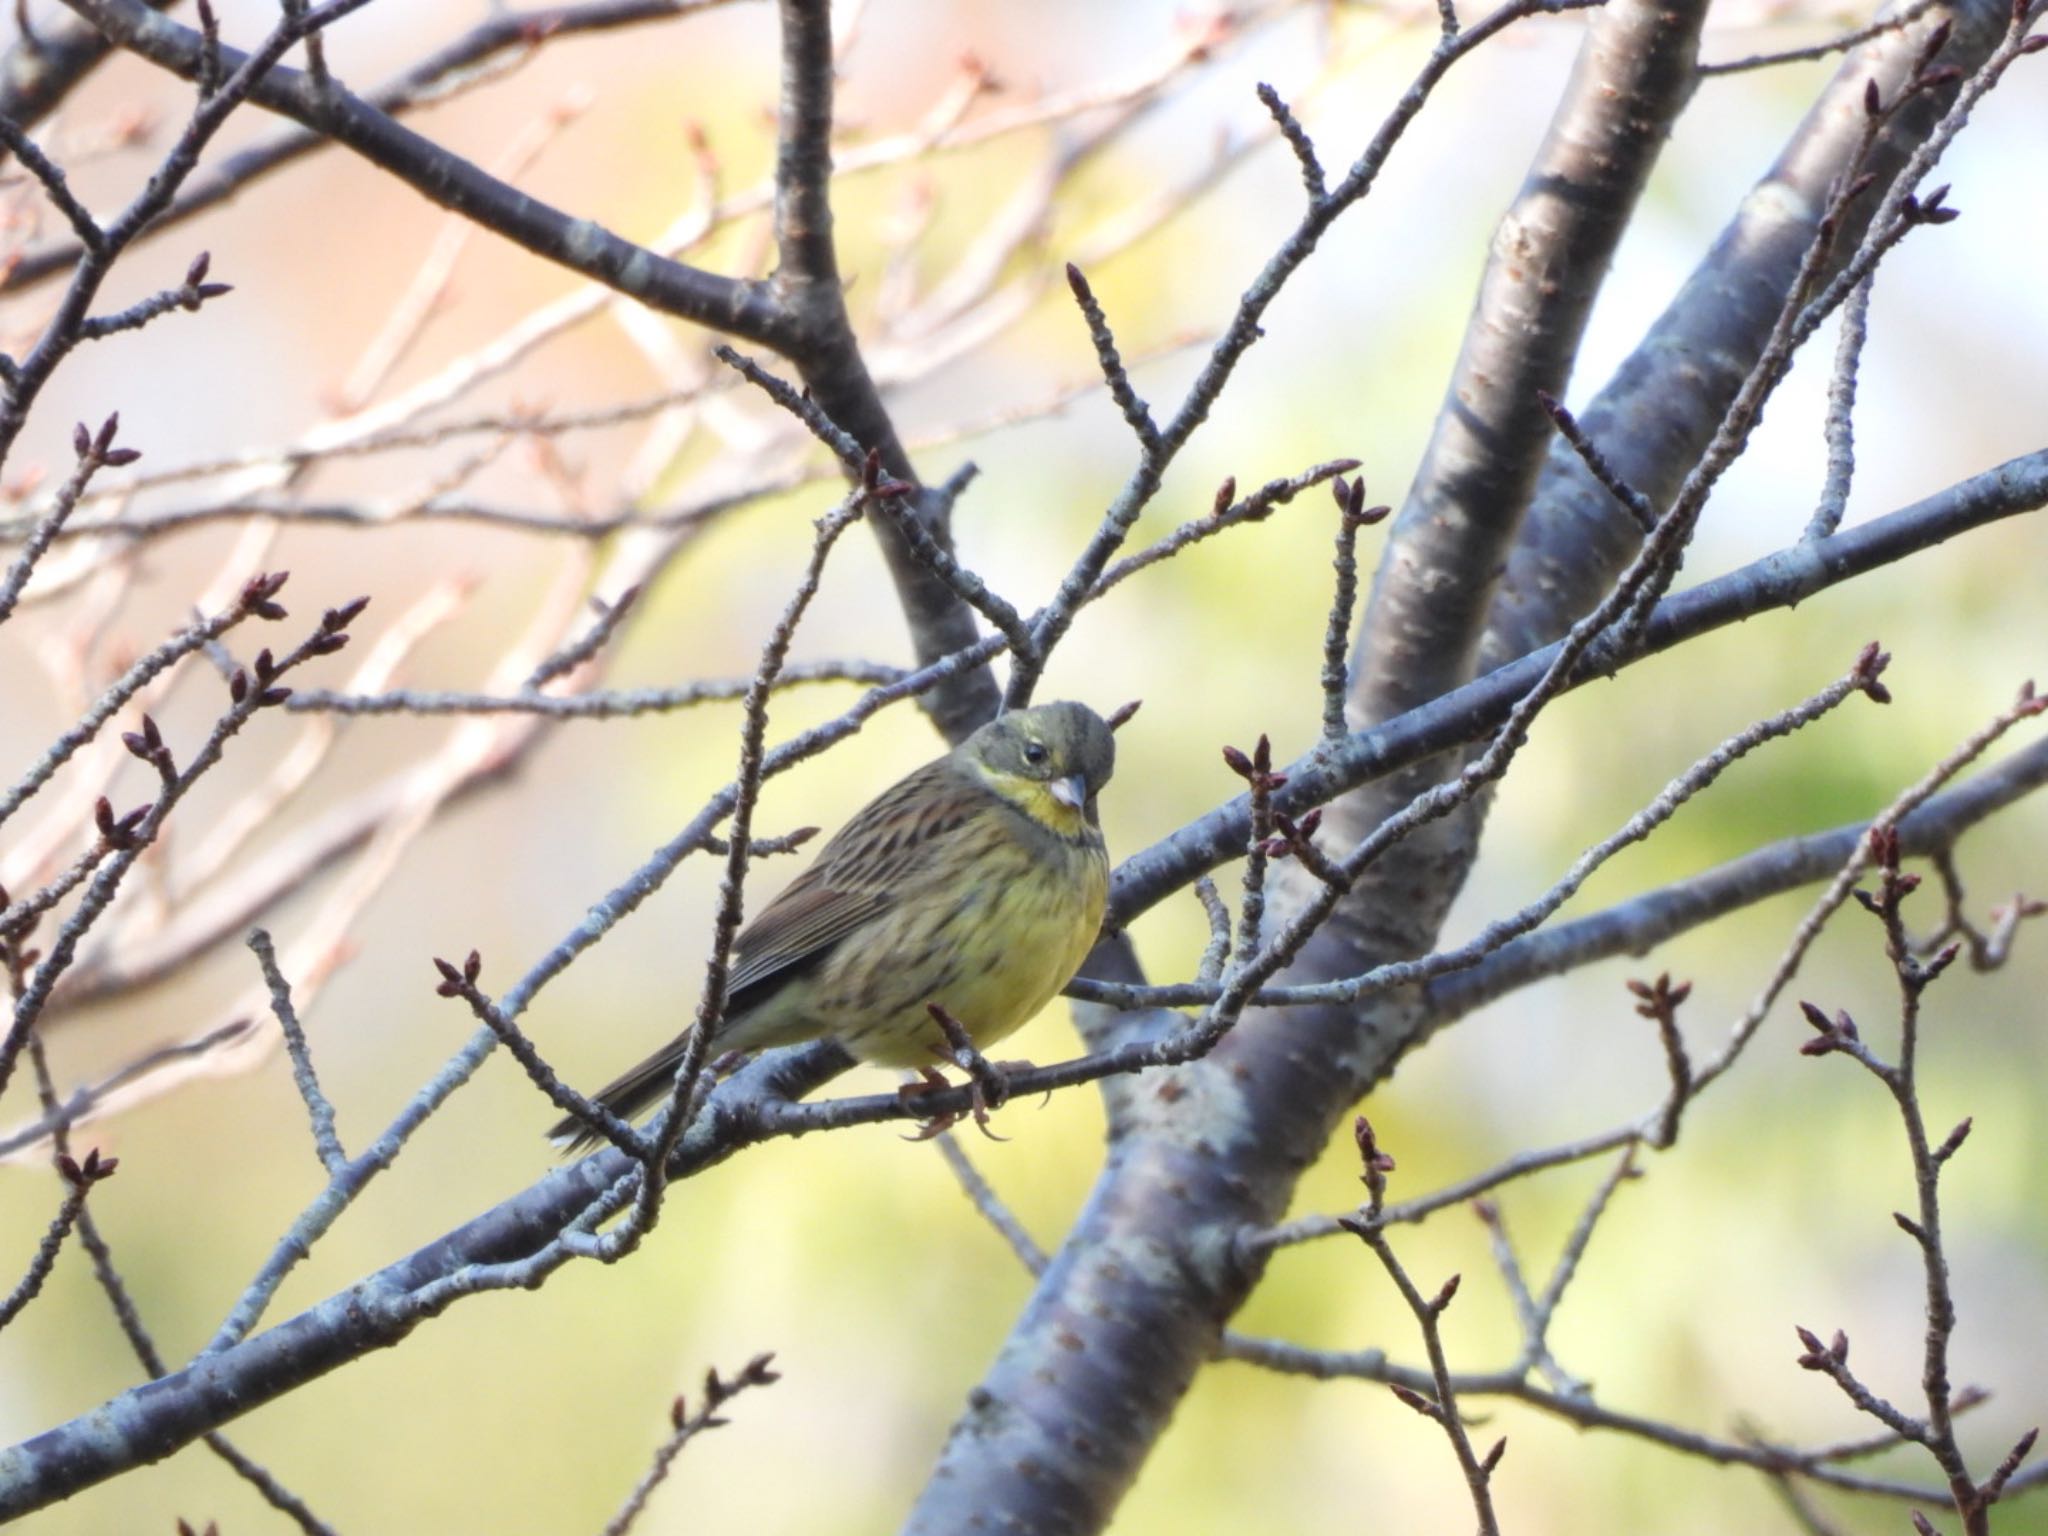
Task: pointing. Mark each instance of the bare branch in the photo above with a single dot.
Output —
(686, 1426)
(1463, 714)
(1352, 515)
(1297, 140)
(1137, 415)
(1632, 500)
(1860, 679)
(1904, 17)
(318, 1108)
(1841, 436)
(1442, 1404)
(740, 308)
(87, 1173)
(129, 1316)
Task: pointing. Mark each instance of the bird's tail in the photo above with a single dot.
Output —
(628, 1097)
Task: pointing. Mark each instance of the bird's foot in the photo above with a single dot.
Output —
(929, 1080)
(988, 1083)
(988, 1086)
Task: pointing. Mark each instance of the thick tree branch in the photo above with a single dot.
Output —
(822, 345)
(1465, 714)
(1657, 414)
(1641, 923)
(1054, 1443)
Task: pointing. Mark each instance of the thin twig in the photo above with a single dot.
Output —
(609, 616)
(139, 829)
(94, 451)
(684, 1427)
(611, 704)
(1297, 140)
(129, 1316)
(674, 1117)
(989, 1204)
(460, 981)
(1633, 501)
(1905, 17)
(1352, 515)
(1442, 1402)
(78, 1178)
(1137, 415)
(319, 1110)
(1841, 431)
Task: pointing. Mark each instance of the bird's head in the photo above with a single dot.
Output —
(1050, 761)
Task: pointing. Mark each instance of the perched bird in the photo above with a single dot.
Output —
(977, 883)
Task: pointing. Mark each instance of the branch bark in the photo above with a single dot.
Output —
(40, 69)
(820, 341)
(1641, 923)
(1657, 413)
(1135, 1301)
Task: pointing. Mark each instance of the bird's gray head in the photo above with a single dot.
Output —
(1064, 751)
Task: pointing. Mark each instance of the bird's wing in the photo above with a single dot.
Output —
(802, 924)
(857, 876)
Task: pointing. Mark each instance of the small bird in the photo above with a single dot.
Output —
(977, 884)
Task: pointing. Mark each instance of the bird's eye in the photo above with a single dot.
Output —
(1034, 752)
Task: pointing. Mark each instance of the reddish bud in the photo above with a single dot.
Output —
(1415, 1400)
(340, 618)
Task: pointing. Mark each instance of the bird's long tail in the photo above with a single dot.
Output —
(628, 1097)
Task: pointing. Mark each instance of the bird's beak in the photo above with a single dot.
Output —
(1072, 791)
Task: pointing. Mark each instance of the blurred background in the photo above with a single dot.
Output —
(854, 1258)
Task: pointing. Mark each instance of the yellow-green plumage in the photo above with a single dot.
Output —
(977, 883)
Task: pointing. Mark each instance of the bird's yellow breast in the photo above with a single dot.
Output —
(992, 949)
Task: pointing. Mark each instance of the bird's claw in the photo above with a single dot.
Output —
(988, 1085)
(987, 1088)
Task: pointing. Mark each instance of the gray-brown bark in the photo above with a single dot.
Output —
(1136, 1298)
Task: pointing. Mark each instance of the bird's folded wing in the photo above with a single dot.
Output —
(859, 874)
(804, 923)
